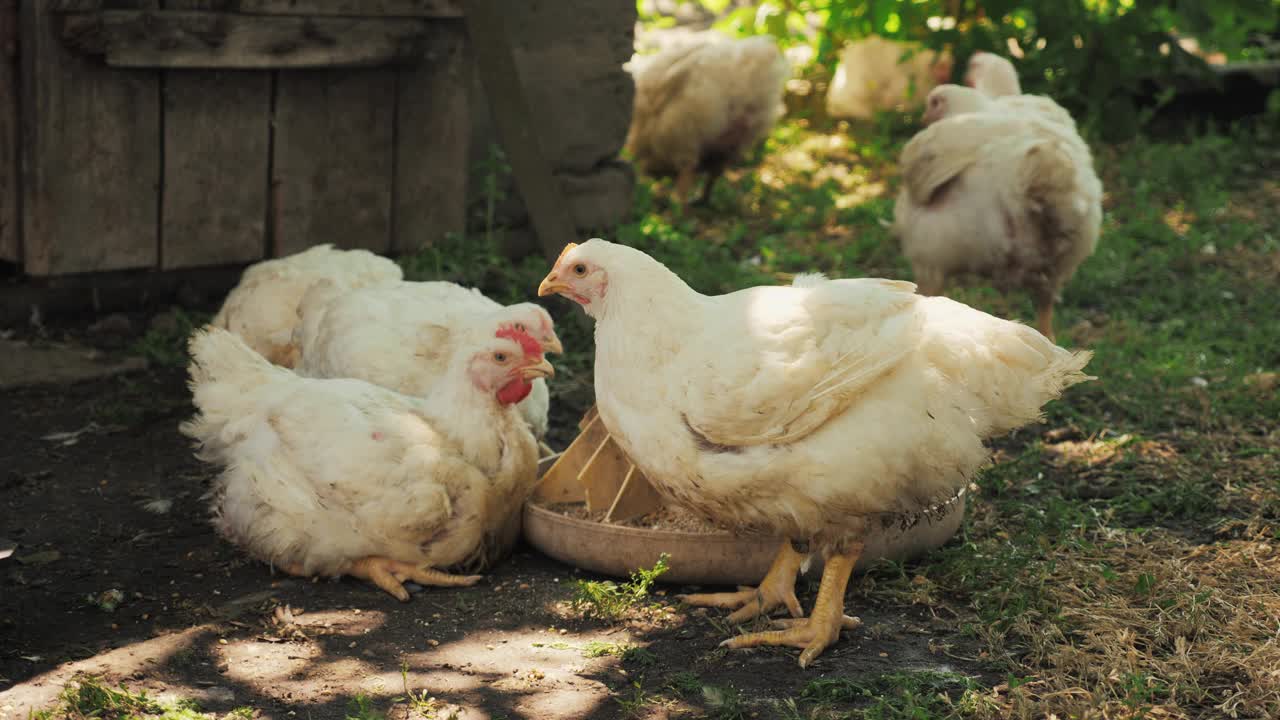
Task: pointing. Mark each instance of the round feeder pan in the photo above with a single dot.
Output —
(707, 558)
(703, 558)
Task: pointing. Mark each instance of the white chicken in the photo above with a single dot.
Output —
(263, 308)
(994, 77)
(802, 411)
(874, 74)
(401, 335)
(1005, 194)
(342, 477)
(699, 106)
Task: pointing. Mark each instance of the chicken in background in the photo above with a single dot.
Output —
(1004, 192)
(343, 477)
(700, 105)
(263, 308)
(401, 335)
(993, 77)
(806, 411)
(876, 74)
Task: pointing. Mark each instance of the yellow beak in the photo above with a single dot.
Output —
(551, 285)
(553, 345)
(541, 370)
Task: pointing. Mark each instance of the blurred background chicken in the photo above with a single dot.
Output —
(802, 411)
(401, 335)
(1004, 192)
(263, 308)
(876, 74)
(700, 105)
(342, 477)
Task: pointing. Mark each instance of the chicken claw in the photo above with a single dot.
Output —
(777, 588)
(390, 575)
(822, 628)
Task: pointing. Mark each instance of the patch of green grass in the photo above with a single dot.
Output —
(89, 697)
(607, 600)
(906, 695)
(634, 700)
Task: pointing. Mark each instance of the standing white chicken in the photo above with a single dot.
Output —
(263, 308)
(1005, 194)
(800, 411)
(342, 477)
(401, 335)
(699, 106)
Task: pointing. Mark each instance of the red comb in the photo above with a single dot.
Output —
(527, 343)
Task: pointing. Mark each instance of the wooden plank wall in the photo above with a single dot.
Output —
(10, 239)
(91, 167)
(170, 167)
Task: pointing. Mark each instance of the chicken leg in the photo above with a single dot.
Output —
(1044, 318)
(390, 575)
(823, 626)
(777, 588)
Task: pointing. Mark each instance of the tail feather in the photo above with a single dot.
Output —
(223, 376)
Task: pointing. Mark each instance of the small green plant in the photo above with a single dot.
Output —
(167, 347)
(361, 707)
(419, 702)
(634, 700)
(607, 600)
(685, 683)
(723, 703)
(895, 696)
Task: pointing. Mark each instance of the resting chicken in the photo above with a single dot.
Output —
(263, 308)
(802, 411)
(1005, 192)
(401, 335)
(699, 106)
(342, 477)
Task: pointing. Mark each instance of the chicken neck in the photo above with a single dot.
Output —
(822, 628)
(473, 420)
(777, 589)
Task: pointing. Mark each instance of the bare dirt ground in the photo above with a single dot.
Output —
(119, 574)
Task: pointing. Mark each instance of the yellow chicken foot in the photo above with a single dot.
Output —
(390, 575)
(777, 588)
(823, 626)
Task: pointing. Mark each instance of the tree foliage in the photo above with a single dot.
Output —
(1097, 57)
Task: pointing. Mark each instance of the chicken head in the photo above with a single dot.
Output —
(992, 75)
(534, 319)
(507, 366)
(947, 101)
(577, 278)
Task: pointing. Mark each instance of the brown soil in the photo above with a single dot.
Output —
(196, 618)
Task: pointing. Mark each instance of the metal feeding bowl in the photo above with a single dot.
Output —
(594, 478)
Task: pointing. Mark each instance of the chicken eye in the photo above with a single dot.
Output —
(500, 357)
(579, 269)
(520, 327)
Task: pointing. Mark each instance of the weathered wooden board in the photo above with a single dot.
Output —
(217, 142)
(333, 158)
(405, 8)
(191, 39)
(90, 136)
(10, 240)
(434, 128)
(517, 126)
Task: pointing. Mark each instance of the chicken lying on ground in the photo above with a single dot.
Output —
(342, 477)
(263, 308)
(994, 77)
(699, 106)
(998, 192)
(401, 335)
(875, 75)
(802, 411)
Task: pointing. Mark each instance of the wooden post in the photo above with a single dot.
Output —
(10, 240)
(517, 126)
